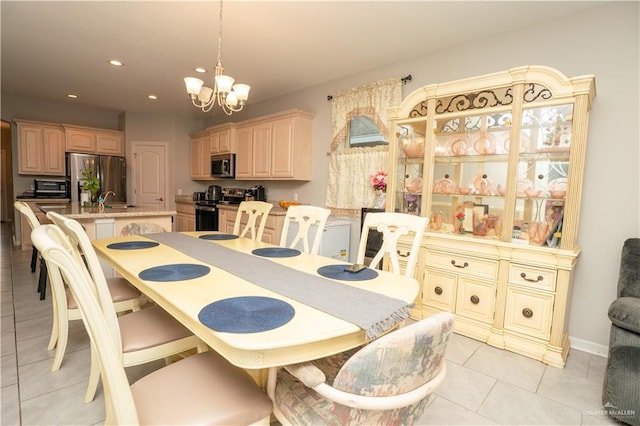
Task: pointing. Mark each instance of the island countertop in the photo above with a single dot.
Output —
(78, 211)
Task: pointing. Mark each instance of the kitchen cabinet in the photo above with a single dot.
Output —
(40, 149)
(185, 217)
(94, 141)
(497, 163)
(215, 140)
(200, 156)
(275, 147)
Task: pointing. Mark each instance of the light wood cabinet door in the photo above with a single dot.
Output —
(111, 143)
(79, 140)
(226, 140)
(200, 157)
(261, 151)
(244, 152)
(40, 150)
(282, 148)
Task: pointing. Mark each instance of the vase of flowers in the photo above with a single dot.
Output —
(379, 183)
(90, 183)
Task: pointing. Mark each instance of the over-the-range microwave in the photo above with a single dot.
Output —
(223, 165)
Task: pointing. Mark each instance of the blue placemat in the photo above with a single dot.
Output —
(132, 245)
(247, 314)
(218, 237)
(337, 272)
(175, 272)
(276, 252)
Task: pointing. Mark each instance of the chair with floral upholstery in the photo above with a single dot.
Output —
(386, 382)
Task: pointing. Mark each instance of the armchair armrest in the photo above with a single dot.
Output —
(313, 377)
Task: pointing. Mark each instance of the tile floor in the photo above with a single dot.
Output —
(484, 385)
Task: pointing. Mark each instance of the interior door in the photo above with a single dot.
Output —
(151, 179)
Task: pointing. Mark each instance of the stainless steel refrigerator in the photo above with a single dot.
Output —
(111, 170)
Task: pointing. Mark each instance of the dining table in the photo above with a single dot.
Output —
(257, 304)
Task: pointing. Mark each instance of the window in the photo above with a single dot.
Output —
(364, 132)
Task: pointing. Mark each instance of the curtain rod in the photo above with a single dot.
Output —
(403, 80)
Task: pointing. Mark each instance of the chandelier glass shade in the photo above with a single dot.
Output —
(231, 97)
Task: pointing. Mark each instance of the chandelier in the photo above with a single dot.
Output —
(231, 97)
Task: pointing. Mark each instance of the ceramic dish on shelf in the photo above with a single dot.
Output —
(484, 143)
(444, 186)
(413, 184)
(459, 146)
(524, 185)
(413, 147)
(559, 184)
(525, 143)
(483, 185)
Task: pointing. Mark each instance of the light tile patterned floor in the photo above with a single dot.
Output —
(484, 385)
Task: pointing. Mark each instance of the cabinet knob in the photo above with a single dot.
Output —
(527, 313)
(475, 299)
(438, 290)
(533, 280)
(464, 265)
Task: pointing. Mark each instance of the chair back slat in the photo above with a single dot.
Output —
(257, 212)
(305, 217)
(393, 226)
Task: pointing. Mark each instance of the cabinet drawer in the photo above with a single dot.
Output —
(528, 312)
(467, 265)
(440, 290)
(544, 279)
(476, 299)
(185, 208)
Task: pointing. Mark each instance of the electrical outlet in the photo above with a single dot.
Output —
(295, 196)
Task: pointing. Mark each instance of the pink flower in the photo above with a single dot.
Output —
(379, 181)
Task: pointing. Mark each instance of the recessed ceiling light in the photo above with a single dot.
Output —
(154, 97)
(116, 63)
(71, 95)
(200, 70)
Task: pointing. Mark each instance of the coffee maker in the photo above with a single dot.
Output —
(257, 193)
(214, 193)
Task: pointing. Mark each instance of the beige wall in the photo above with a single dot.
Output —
(602, 40)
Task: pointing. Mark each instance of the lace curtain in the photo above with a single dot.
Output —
(349, 185)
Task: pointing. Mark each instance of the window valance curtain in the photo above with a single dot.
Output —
(349, 184)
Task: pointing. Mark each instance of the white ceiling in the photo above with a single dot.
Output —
(53, 48)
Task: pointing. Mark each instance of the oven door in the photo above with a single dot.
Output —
(206, 218)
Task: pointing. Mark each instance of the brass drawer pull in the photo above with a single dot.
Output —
(464, 265)
(532, 280)
(527, 313)
(475, 299)
(403, 255)
(438, 290)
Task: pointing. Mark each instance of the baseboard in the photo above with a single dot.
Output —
(590, 347)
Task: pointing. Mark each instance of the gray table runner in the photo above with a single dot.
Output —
(375, 313)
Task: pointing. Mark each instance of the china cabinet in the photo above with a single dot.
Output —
(496, 162)
(40, 149)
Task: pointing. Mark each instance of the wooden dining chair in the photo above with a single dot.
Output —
(305, 217)
(257, 213)
(200, 389)
(146, 335)
(392, 226)
(33, 222)
(386, 382)
(124, 296)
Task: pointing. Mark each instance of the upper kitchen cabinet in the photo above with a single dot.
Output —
(497, 163)
(214, 140)
(40, 148)
(275, 147)
(94, 141)
(200, 156)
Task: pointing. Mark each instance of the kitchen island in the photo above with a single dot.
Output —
(113, 220)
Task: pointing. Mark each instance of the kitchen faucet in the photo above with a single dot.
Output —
(103, 198)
